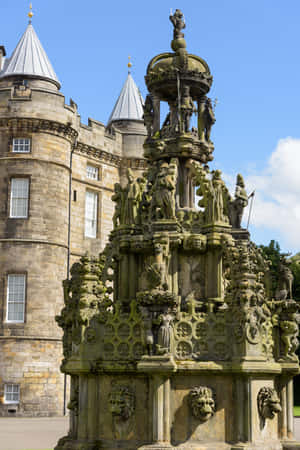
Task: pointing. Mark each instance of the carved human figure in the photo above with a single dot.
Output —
(208, 119)
(239, 203)
(289, 337)
(187, 108)
(268, 403)
(165, 333)
(130, 200)
(178, 22)
(285, 280)
(118, 198)
(149, 115)
(218, 196)
(214, 196)
(202, 403)
(163, 200)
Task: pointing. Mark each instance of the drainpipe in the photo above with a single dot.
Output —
(74, 145)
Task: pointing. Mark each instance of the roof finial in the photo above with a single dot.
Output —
(129, 65)
(30, 14)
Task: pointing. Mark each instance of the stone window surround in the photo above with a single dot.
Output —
(14, 323)
(13, 176)
(97, 214)
(19, 135)
(10, 389)
(16, 144)
(90, 168)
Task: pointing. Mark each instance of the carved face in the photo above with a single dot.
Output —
(202, 403)
(268, 403)
(122, 402)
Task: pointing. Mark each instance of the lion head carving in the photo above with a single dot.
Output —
(268, 403)
(122, 402)
(202, 403)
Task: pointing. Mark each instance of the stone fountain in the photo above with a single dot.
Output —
(170, 339)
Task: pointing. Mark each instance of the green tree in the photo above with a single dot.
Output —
(273, 253)
(295, 267)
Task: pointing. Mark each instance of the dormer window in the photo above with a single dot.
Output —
(21, 145)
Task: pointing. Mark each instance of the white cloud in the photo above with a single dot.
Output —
(277, 201)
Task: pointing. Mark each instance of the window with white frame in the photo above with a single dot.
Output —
(21, 145)
(19, 196)
(91, 204)
(11, 393)
(92, 172)
(16, 291)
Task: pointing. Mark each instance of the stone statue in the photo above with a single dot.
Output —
(118, 198)
(149, 115)
(208, 119)
(165, 333)
(268, 403)
(178, 22)
(285, 280)
(219, 189)
(130, 200)
(215, 197)
(239, 203)
(289, 337)
(163, 200)
(202, 403)
(187, 108)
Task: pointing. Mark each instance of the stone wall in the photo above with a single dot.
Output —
(38, 245)
(32, 363)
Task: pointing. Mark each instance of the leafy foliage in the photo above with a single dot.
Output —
(273, 253)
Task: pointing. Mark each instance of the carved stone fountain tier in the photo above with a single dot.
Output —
(170, 337)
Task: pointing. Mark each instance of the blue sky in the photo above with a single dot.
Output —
(252, 49)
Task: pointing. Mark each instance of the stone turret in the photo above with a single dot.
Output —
(57, 177)
(127, 117)
(190, 336)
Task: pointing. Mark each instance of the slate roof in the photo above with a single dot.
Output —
(29, 58)
(129, 105)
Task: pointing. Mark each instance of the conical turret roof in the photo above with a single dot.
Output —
(129, 105)
(29, 58)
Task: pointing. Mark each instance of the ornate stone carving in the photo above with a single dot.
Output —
(122, 401)
(285, 280)
(239, 203)
(131, 197)
(289, 337)
(214, 197)
(118, 198)
(268, 403)
(187, 108)
(165, 333)
(149, 115)
(178, 22)
(208, 119)
(86, 304)
(202, 403)
(163, 195)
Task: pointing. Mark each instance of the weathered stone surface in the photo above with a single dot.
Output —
(38, 246)
(190, 352)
